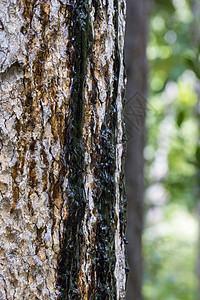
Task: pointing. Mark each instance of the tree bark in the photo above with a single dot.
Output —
(195, 6)
(136, 93)
(61, 149)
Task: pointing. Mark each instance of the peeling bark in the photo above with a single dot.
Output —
(61, 149)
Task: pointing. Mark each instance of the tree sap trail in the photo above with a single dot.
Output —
(70, 260)
(97, 278)
(61, 179)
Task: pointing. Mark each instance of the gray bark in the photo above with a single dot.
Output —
(61, 154)
(136, 92)
(195, 6)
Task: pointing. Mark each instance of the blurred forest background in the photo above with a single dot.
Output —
(172, 153)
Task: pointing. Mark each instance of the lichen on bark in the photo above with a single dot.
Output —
(62, 82)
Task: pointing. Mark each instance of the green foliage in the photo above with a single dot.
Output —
(170, 254)
(194, 65)
(165, 4)
(172, 153)
(180, 117)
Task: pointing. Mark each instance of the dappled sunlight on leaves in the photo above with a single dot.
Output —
(170, 239)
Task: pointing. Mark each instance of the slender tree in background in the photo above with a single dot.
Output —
(136, 92)
(62, 199)
(195, 5)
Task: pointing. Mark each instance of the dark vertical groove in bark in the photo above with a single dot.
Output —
(69, 264)
(106, 260)
(106, 285)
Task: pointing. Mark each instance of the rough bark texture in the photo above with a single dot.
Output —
(61, 181)
(136, 92)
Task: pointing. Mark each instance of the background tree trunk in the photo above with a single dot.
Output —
(195, 5)
(136, 93)
(62, 198)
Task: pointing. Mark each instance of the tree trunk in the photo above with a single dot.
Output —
(136, 92)
(195, 6)
(62, 198)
